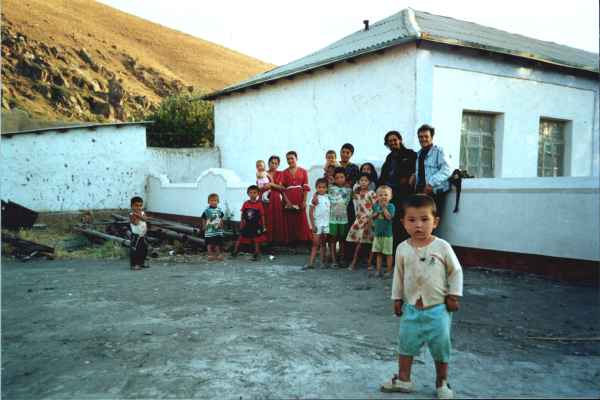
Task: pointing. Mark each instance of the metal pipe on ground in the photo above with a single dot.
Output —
(124, 242)
(174, 226)
(182, 237)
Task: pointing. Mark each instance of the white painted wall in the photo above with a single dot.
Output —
(356, 103)
(77, 169)
(462, 80)
(191, 198)
(557, 217)
(182, 165)
(90, 169)
(407, 87)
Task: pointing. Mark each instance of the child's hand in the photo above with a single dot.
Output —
(398, 308)
(315, 200)
(452, 303)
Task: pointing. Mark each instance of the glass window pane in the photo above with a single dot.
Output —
(477, 144)
(551, 148)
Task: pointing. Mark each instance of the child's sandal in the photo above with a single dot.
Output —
(396, 385)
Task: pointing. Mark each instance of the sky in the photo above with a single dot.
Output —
(281, 31)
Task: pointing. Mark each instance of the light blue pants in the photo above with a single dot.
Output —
(430, 326)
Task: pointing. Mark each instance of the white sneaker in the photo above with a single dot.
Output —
(444, 391)
(396, 385)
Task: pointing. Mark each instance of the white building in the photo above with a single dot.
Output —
(519, 113)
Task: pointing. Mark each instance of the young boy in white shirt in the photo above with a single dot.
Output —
(319, 222)
(138, 249)
(427, 283)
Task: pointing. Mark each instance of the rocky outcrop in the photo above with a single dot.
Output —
(74, 82)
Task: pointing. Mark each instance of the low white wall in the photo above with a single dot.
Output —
(90, 169)
(557, 217)
(76, 169)
(192, 198)
(182, 165)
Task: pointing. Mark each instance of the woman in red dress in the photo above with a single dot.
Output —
(295, 180)
(276, 226)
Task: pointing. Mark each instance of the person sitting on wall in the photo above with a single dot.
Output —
(396, 172)
(432, 168)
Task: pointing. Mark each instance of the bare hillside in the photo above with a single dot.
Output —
(83, 60)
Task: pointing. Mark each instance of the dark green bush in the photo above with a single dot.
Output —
(182, 120)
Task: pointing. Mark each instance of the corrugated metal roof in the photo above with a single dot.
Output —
(468, 34)
(92, 126)
(409, 25)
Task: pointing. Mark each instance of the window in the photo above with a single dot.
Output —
(477, 144)
(551, 148)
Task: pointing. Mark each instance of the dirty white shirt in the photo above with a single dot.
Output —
(322, 210)
(140, 228)
(431, 273)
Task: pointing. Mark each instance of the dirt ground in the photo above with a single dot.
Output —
(78, 330)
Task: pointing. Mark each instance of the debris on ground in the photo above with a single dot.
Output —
(163, 235)
(16, 216)
(25, 250)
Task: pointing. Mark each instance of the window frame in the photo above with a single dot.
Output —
(497, 125)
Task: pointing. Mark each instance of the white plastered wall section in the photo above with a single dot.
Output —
(74, 170)
(517, 211)
(83, 169)
(191, 198)
(460, 80)
(355, 102)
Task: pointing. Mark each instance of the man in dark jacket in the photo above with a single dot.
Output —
(396, 171)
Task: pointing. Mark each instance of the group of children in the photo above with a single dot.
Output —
(331, 225)
(427, 278)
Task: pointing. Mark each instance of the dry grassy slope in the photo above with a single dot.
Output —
(75, 24)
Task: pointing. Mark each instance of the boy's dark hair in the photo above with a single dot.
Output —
(275, 158)
(364, 175)
(212, 196)
(391, 133)
(136, 199)
(426, 127)
(339, 170)
(348, 146)
(331, 152)
(418, 201)
(291, 152)
(252, 187)
(321, 181)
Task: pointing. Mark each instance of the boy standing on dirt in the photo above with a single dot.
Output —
(427, 283)
(138, 249)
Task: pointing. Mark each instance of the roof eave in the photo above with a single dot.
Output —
(530, 56)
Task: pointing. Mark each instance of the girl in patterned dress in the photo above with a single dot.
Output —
(361, 230)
